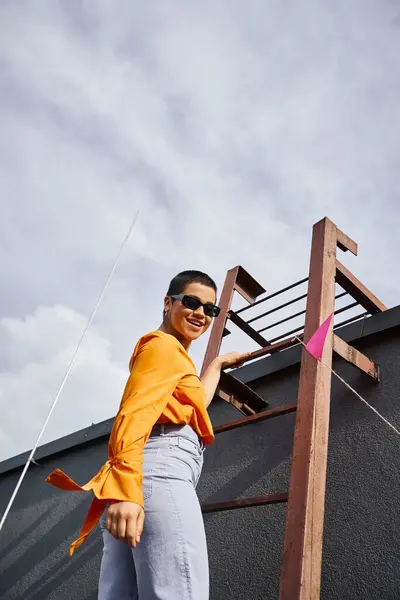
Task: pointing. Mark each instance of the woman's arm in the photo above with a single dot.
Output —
(154, 376)
(156, 371)
(211, 377)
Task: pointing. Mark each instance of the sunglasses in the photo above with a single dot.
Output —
(193, 303)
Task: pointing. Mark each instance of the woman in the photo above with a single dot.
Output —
(155, 459)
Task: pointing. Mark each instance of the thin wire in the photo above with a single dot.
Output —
(89, 322)
(365, 402)
(354, 391)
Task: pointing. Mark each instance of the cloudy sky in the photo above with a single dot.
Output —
(231, 126)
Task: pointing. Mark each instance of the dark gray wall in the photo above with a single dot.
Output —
(361, 558)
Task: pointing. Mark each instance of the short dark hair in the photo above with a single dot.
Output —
(180, 281)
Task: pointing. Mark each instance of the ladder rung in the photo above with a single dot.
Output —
(262, 416)
(355, 357)
(245, 502)
(272, 348)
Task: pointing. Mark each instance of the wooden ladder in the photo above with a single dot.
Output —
(302, 555)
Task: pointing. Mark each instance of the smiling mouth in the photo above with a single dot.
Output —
(195, 323)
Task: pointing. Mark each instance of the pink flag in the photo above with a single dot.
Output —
(316, 344)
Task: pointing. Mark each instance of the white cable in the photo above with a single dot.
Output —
(365, 402)
(89, 322)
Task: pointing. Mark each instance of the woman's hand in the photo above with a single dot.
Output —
(232, 359)
(125, 522)
(211, 377)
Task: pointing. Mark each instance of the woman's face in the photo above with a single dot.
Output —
(190, 324)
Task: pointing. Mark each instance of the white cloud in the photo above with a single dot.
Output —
(39, 349)
(232, 127)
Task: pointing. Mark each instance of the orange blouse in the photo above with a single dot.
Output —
(162, 387)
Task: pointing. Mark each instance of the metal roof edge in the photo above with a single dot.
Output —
(72, 440)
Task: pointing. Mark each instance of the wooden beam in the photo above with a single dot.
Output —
(234, 387)
(247, 286)
(245, 502)
(355, 357)
(215, 340)
(358, 290)
(248, 329)
(262, 416)
(273, 348)
(235, 403)
(301, 567)
(345, 243)
(239, 280)
(248, 410)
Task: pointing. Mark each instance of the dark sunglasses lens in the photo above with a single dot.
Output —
(211, 310)
(191, 302)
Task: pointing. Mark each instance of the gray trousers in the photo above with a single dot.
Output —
(170, 562)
